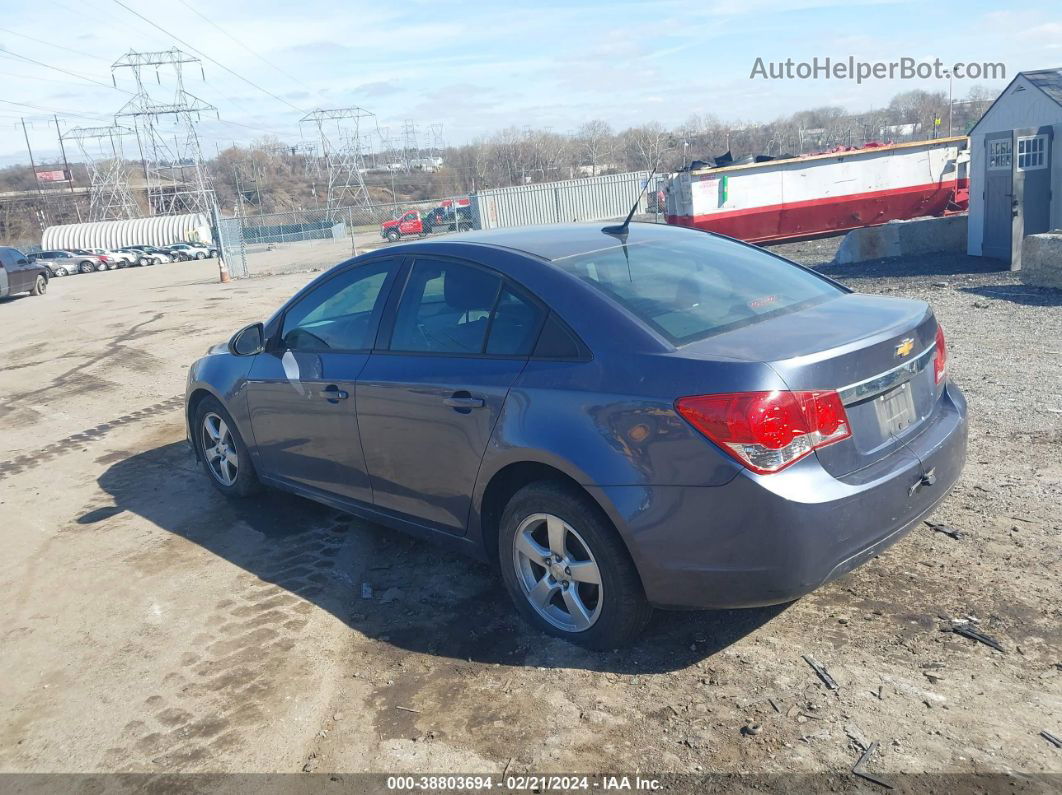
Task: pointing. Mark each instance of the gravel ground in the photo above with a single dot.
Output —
(151, 626)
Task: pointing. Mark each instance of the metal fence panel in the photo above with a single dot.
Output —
(231, 246)
(590, 199)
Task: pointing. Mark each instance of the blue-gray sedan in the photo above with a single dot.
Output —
(661, 418)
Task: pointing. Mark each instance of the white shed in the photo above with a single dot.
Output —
(1016, 167)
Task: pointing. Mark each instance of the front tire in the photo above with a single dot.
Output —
(222, 451)
(142, 261)
(393, 236)
(566, 569)
(40, 287)
(200, 255)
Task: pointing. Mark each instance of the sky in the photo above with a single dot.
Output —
(476, 67)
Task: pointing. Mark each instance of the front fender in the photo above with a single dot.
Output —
(224, 377)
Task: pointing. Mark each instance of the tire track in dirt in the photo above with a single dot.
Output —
(235, 673)
(37, 458)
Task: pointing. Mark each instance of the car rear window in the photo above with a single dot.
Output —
(691, 288)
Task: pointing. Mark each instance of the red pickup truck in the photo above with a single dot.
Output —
(443, 218)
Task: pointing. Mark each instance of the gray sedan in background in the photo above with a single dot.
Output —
(66, 263)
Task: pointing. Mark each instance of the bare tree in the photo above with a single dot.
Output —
(597, 141)
(647, 145)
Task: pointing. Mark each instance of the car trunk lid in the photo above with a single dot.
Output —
(876, 351)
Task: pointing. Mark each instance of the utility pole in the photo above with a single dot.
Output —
(33, 165)
(239, 189)
(62, 148)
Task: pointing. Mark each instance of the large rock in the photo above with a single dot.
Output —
(903, 238)
(1041, 260)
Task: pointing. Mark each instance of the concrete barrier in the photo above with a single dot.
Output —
(903, 238)
(1041, 260)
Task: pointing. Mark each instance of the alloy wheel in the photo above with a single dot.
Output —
(557, 572)
(219, 449)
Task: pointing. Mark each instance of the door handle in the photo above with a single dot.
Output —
(333, 394)
(463, 402)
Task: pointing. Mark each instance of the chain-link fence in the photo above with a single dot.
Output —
(299, 240)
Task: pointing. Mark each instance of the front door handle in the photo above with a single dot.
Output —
(333, 394)
(462, 401)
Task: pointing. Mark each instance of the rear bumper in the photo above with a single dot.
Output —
(761, 540)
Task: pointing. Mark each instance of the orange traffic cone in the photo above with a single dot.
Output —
(223, 270)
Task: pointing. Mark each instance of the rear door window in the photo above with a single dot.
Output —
(692, 288)
(456, 308)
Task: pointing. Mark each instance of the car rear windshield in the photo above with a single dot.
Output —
(691, 288)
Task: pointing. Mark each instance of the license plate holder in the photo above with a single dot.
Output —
(895, 409)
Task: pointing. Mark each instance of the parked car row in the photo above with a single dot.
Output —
(66, 262)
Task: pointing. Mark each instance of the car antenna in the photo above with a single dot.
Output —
(621, 229)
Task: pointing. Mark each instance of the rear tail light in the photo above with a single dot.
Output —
(104, 259)
(940, 357)
(768, 431)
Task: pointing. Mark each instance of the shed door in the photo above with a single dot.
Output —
(999, 201)
(1032, 186)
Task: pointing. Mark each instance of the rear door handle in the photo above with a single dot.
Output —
(333, 394)
(464, 402)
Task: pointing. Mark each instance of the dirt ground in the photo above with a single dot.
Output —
(149, 625)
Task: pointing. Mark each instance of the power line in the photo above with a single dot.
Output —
(52, 110)
(212, 60)
(53, 45)
(224, 32)
(60, 69)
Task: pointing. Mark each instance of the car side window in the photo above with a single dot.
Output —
(341, 313)
(455, 308)
(514, 326)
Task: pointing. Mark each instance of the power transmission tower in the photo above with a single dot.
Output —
(436, 139)
(410, 147)
(101, 149)
(342, 150)
(165, 130)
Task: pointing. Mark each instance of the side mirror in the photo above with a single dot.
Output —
(248, 341)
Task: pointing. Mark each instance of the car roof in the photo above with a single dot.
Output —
(557, 241)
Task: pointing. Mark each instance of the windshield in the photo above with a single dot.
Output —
(691, 288)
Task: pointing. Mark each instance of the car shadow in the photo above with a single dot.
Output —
(1023, 294)
(391, 587)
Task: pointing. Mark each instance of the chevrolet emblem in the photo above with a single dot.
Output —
(905, 347)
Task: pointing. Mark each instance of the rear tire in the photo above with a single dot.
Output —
(86, 267)
(58, 272)
(213, 429)
(40, 287)
(200, 255)
(142, 261)
(601, 616)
